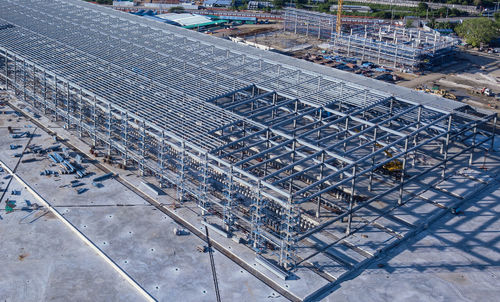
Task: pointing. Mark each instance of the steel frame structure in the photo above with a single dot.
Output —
(395, 47)
(378, 42)
(263, 148)
(314, 24)
(319, 25)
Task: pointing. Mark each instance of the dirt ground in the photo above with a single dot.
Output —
(465, 71)
(460, 74)
(245, 30)
(285, 41)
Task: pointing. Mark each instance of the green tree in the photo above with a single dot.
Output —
(109, 2)
(324, 7)
(300, 3)
(497, 17)
(278, 3)
(422, 7)
(432, 23)
(478, 30)
(176, 9)
(382, 14)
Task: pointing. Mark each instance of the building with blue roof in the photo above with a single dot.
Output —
(220, 3)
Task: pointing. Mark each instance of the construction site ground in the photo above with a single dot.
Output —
(46, 259)
(285, 41)
(307, 48)
(460, 74)
(245, 30)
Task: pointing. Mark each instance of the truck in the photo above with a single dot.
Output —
(484, 91)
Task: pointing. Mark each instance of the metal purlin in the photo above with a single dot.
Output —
(294, 137)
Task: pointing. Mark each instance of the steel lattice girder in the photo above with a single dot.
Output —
(142, 89)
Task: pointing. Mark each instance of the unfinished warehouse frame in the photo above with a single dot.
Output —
(310, 24)
(396, 47)
(318, 25)
(264, 149)
(373, 40)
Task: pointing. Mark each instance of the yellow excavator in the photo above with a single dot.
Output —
(393, 167)
(446, 94)
(436, 91)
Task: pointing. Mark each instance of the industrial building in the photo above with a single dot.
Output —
(187, 20)
(395, 47)
(374, 40)
(259, 4)
(309, 23)
(217, 3)
(352, 8)
(319, 25)
(275, 151)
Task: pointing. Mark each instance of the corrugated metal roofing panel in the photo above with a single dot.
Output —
(185, 19)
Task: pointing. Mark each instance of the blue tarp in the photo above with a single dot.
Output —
(238, 18)
(444, 30)
(381, 69)
(217, 2)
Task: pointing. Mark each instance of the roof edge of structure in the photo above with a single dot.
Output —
(377, 86)
(403, 93)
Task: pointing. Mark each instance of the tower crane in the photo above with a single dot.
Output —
(339, 17)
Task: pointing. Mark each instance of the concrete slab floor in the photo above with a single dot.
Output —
(170, 268)
(42, 260)
(456, 259)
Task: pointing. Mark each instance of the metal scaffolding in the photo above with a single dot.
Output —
(319, 25)
(265, 149)
(396, 47)
(374, 40)
(313, 24)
